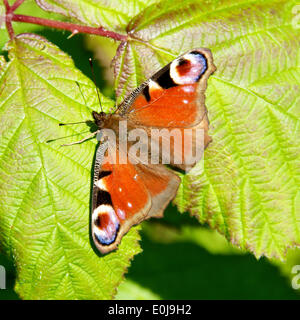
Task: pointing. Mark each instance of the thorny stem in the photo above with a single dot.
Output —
(8, 18)
(16, 5)
(7, 7)
(74, 28)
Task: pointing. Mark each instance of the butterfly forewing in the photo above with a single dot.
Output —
(173, 98)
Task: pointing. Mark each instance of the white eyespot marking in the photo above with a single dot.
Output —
(188, 68)
(105, 208)
(153, 85)
(185, 101)
(135, 176)
(101, 185)
(121, 214)
(129, 204)
(120, 189)
(105, 234)
(188, 89)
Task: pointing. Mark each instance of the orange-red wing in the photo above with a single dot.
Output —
(174, 96)
(120, 200)
(172, 107)
(126, 194)
(180, 147)
(161, 183)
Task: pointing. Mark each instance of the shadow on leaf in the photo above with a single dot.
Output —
(187, 271)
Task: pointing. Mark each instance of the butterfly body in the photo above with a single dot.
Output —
(106, 120)
(126, 193)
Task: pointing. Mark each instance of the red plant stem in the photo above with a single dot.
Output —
(74, 28)
(16, 5)
(8, 17)
(7, 7)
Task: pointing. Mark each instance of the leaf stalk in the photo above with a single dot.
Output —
(73, 28)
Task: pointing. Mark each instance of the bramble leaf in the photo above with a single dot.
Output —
(109, 14)
(249, 190)
(45, 188)
(250, 187)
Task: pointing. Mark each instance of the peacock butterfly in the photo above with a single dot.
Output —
(127, 192)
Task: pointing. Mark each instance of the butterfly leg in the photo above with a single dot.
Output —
(82, 140)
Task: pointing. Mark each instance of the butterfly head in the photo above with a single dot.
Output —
(100, 118)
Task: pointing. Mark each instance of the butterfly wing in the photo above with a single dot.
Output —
(174, 98)
(162, 185)
(125, 195)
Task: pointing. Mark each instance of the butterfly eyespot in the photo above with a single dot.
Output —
(183, 66)
(189, 68)
(106, 237)
(106, 224)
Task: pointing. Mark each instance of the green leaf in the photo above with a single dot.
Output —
(130, 290)
(109, 14)
(206, 238)
(249, 189)
(45, 189)
(29, 7)
(2, 15)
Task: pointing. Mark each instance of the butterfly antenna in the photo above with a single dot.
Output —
(94, 80)
(81, 93)
(60, 138)
(70, 123)
(66, 124)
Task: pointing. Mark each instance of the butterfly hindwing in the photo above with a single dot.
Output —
(162, 185)
(125, 195)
